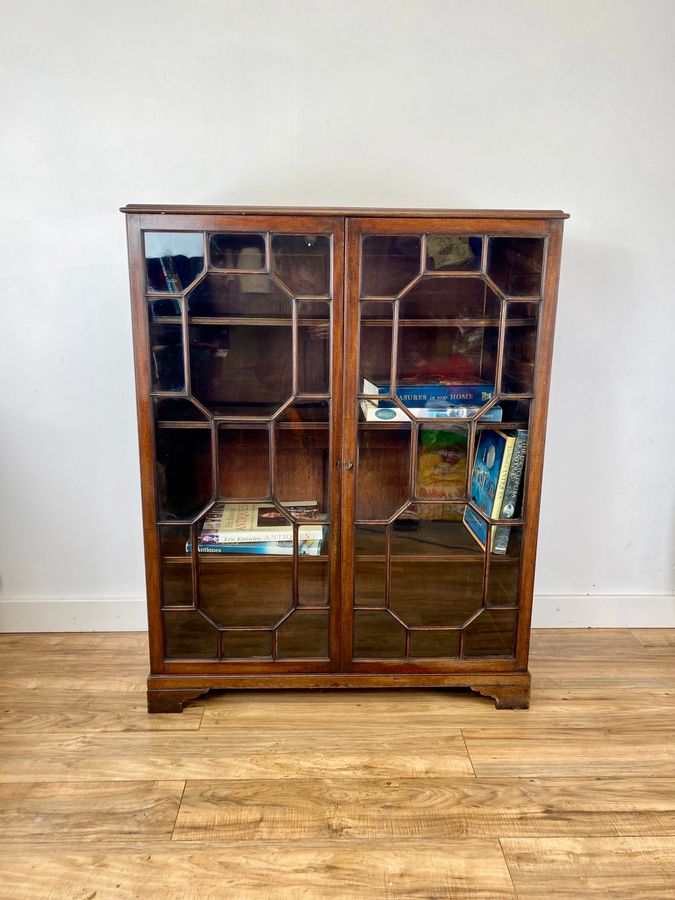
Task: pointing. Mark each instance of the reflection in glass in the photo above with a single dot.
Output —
(388, 264)
(241, 369)
(237, 251)
(448, 298)
(446, 355)
(239, 295)
(314, 353)
(516, 265)
(302, 262)
(433, 529)
(520, 351)
(375, 342)
(173, 259)
(451, 253)
(167, 372)
(183, 471)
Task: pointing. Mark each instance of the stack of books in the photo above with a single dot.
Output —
(430, 401)
(495, 482)
(261, 528)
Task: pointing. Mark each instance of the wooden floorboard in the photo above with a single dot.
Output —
(355, 794)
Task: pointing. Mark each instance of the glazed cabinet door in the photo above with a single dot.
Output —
(238, 341)
(448, 343)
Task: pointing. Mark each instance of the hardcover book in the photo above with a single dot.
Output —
(502, 532)
(258, 523)
(431, 401)
(272, 548)
(488, 481)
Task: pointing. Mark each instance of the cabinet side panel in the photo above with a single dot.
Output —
(145, 439)
(537, 439)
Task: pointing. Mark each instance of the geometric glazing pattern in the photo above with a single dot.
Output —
(449, 310)
(241, 350)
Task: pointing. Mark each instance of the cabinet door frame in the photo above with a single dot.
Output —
(551, 231)
(137, 224)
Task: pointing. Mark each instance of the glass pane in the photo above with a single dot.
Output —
(377, 635)
(167, 372)
(442, 462)
(503, 580)
(164, 307)
(449, 298)
(491, 634)
(370, 540)
(516, 265)
(168, 409)
(243, 462)
(302, 473)
(434, 644)
(314, 577)
(451, 253)
(173, 540)
(446, 355)
(187, 635)
(370, 582)
(239, 295)
(520, 351)
(302, 262)
(173, 259)
(304, 634)
(375, 345)
(436, 593)
(314, 352)
(184, 478)
(176, 584)
(245, 591)
(383, 471)
(388, 264)
(237, 251)
(241, 369)
(433, 529)
(247, 644)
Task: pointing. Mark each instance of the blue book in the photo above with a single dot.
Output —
(488, 482)
(419, 395)
(267, 548)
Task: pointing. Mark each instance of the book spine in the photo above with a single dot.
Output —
(420, 394)
(501, 538)
(387, 414)
(501, 484)
(268, 548)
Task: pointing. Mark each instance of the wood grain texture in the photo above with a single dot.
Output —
(251, 871)
(357, 793)
(621, 868)
(256, 753)
(89, 811)
(430, 808)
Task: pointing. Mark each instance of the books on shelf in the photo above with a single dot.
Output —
(261, 528)
(429, 401)
(277, 548)
(502, 532)
(495, 482)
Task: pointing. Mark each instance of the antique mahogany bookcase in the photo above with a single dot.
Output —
(256, 332)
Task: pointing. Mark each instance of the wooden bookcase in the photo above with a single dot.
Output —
(254, 330)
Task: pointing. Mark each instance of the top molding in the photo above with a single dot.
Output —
(345, 211)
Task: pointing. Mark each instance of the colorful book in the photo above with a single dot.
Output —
(271, 548)
(258, 523)
(374, 413)
(488, 481)
(502, 532)
(419, 395)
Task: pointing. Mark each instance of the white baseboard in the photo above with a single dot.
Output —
(129, 613)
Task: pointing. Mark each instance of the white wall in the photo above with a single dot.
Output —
(526, 103)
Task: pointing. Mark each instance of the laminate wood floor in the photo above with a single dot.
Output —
(376, 794)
